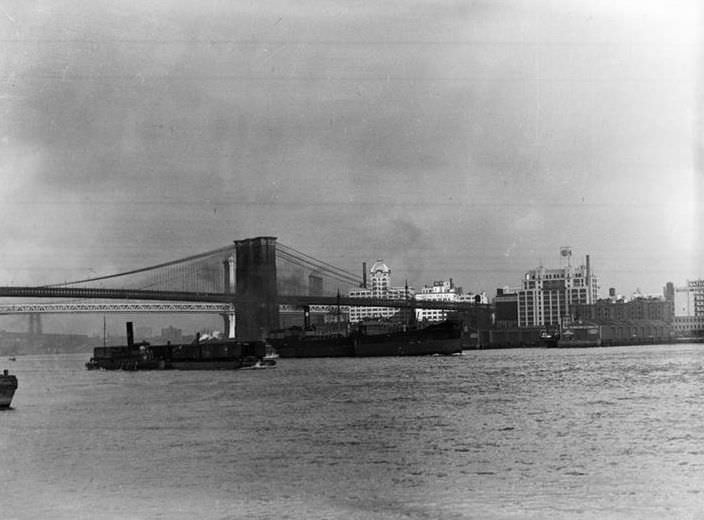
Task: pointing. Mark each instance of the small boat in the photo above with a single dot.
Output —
(261, 364)
(12, 358)
(549, 338)
(8, 385)
(269, 358)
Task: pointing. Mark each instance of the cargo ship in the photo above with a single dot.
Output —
(8, 385)
(439, 338)
(202, 354)
(370, 338)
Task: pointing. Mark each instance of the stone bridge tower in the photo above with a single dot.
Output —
(255, 278)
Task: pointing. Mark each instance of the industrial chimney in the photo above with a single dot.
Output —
(589, 283)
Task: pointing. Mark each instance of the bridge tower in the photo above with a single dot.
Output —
(35, 324)
(229, 318)
(255, 272)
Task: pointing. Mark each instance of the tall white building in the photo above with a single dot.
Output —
(443, 291)
(689, 300)
(379, 287)
(547, 294)
(440, 291)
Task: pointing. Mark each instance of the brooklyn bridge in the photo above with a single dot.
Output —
(249, 283)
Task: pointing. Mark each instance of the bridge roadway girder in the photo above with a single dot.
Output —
(84, 293)
(228, 299)
(332, 301)
(62, 308)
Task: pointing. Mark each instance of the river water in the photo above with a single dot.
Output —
(502, 434)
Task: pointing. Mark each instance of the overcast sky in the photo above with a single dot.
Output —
(465, 139)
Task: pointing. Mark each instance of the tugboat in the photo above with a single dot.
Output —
(8, 385)
(204, 353)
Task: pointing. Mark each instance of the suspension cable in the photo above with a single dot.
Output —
(305, 256)
(288, 253)
(143, 269)
(322, 266)
(329, 276)
(328, 272)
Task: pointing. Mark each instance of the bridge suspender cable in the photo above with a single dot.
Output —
(321, 262)
(143, 269)
(308, 260)
(306, 264)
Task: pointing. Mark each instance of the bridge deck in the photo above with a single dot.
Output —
(223, 298)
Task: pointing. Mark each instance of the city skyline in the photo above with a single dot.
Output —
(469, 140)
(91, 323)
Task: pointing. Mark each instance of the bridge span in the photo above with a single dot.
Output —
(223, 304)
(119, 307)
(225, 299)
(252, 289)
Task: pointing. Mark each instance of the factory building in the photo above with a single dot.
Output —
(443, 291)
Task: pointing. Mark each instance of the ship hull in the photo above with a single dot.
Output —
(442, 339)
(549, 342)
(578, 343)
(313, 347)
(6, 398)
(207, 365)
(404, 347)
(8, 385)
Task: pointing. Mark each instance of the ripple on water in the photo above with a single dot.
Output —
(583, 433)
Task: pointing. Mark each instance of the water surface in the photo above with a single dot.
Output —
(504, 434)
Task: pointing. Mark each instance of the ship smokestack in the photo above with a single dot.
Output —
(130, 334)
(364, 275)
